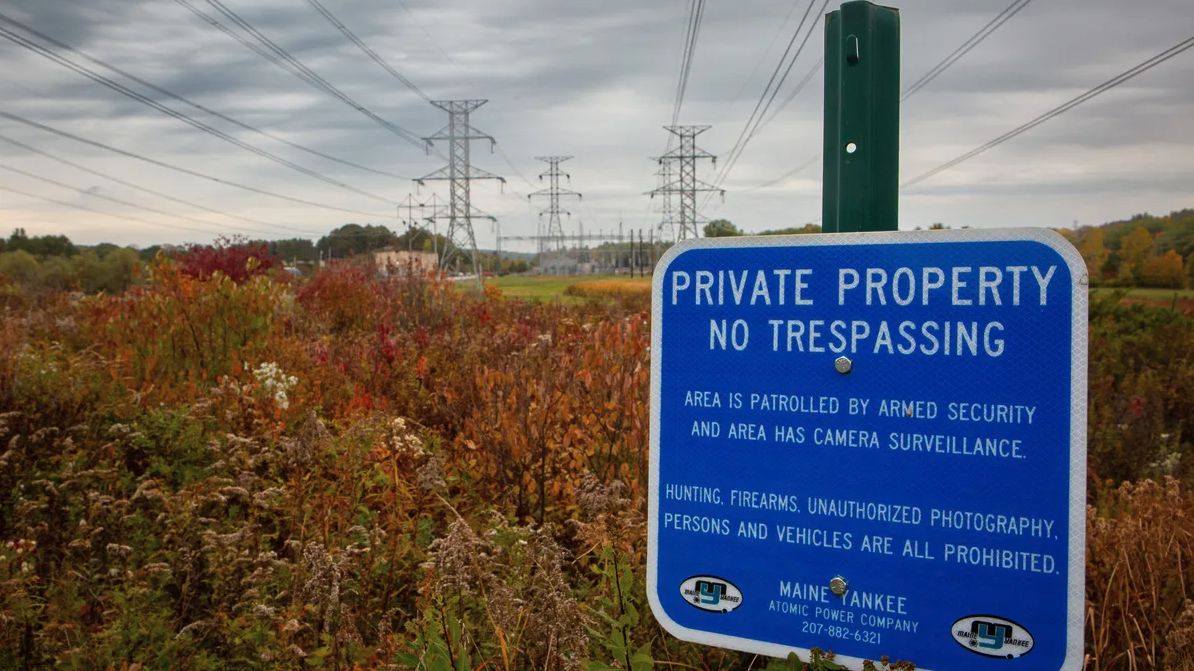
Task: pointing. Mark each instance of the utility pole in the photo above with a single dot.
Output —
(686, 185)
(410, 221)
(436, 208)
(459, 172)
(552, 239)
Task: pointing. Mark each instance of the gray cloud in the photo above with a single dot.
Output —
(596, 80)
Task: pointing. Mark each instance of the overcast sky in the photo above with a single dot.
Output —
(592, 79)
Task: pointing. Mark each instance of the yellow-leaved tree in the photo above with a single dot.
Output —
(1166, 270)
(1136, 247)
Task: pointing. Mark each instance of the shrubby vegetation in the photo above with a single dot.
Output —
(208, 471)
(30, 265)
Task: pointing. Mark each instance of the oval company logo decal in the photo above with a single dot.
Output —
(992, 636)
(711, 593)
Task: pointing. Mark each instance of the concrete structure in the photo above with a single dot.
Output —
(400, 261)
(557, 264)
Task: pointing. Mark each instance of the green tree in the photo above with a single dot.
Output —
(721, 228)
(1136, 247)
(795, 230)
(352, 239)
(57, 274)
(41, 245)
(21, 268)
(294, 249)
(118, 270)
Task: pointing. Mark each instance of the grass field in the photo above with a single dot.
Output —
(1151, 294)
(1181, 300)
(551, 287)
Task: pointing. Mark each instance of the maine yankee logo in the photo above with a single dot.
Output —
(992, 636)
(711, 593)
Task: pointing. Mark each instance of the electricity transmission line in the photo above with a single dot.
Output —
(963, 49)
(969, 44)
(778, 76)
(138, 187)
(77, 206)
(666, 189)
(1059, 110)
(323, 11)
(189, 120)
(186, 171)
(118, 201)
(779, 31)
(186, 101)
(283, 59)
(696, 13)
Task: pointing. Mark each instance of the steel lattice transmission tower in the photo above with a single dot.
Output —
(667, 216)
(552, 238)
(686, 185)
(459, 172)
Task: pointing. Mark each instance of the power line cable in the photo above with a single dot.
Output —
(77, 206)
(969, 44)
(309, 75)
(186, 171)
(191, 121)
(119, 201)
(770, 92)
(793, 171)
(1060, 109)
(963, 49)
(696, 11)
(431, 40)
(187, 101)
(518, 173)
(323, 11)
(779, 30)
(694, 29)
(795, 92)
(138, 187)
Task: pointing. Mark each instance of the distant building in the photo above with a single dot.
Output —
(400, 261)
(558, 264)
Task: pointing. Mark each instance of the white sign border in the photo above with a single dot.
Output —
(1075, 607)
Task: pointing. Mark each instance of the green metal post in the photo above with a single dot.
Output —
(862, 118)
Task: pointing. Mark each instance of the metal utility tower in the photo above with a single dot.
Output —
(552, 238)
(667, 216)
(686, 185)
(459, 173)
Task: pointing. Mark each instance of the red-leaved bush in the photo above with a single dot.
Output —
(237, 258)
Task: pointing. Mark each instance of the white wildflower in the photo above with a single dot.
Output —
(275, 382)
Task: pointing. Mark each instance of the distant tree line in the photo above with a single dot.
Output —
(1145, 250)
(53, 262)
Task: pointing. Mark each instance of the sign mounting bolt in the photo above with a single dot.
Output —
(843, 365)
(838, 585)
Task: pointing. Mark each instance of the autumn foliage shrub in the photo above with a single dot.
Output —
(1141, 394)
(1140, 568)
(629, 293)
(234, 258)
(207, 472)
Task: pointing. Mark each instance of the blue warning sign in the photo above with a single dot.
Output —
(873, 444)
